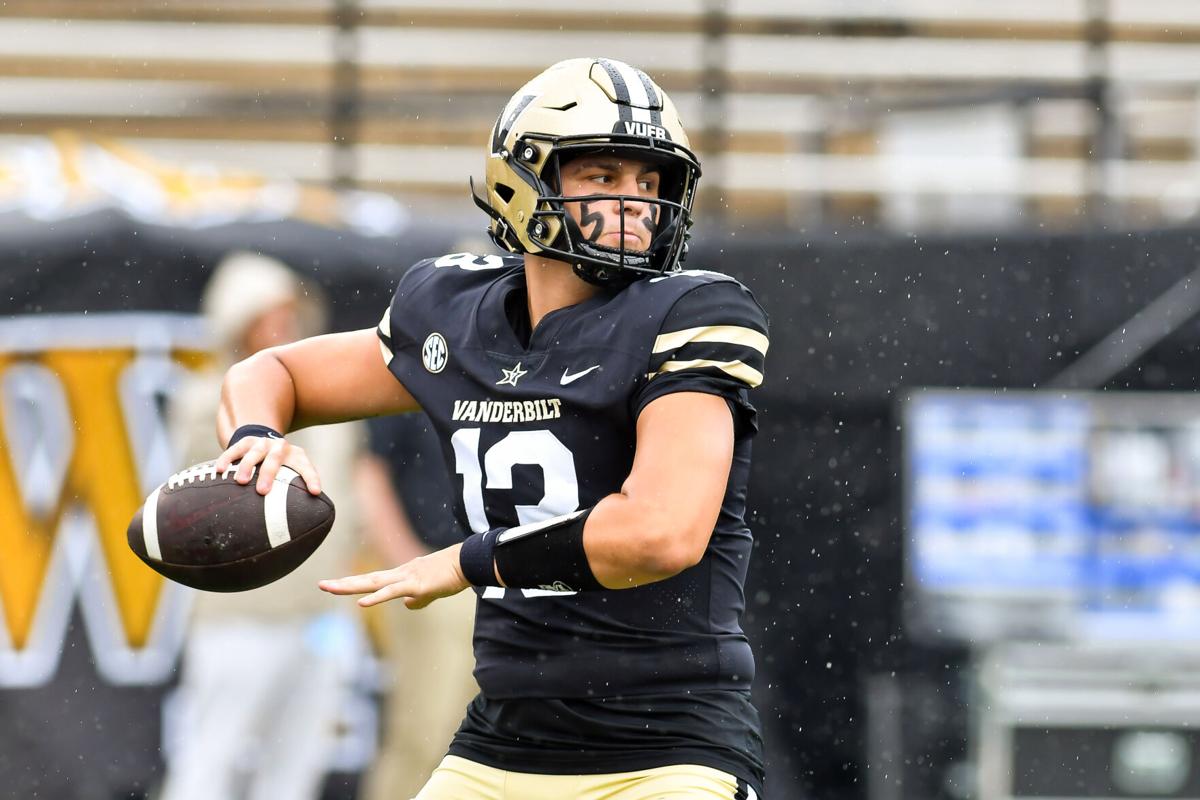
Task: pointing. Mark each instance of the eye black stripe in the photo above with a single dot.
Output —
(620, 88)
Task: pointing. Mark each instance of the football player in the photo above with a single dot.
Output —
(591, 398)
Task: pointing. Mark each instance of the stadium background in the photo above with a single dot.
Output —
(921, 192)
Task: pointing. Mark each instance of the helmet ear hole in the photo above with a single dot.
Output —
(505, 192)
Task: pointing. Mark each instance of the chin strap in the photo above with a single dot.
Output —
(618, 256)
(618, 267)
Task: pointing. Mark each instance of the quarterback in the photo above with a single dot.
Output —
(592, 401)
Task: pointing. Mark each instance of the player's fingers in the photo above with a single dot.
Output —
(232, 453)
(269, 468)
(358, 584)
(250, 460)
(299, 462)
(389, 592)
(355, 584)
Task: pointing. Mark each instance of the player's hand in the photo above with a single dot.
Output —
(269, 454)
(419, 582)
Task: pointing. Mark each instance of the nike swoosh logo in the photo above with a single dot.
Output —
(567, 377)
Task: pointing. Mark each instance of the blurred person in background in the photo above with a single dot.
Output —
(263, 671)
(407, 509)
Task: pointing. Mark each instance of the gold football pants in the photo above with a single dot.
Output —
(460, 779)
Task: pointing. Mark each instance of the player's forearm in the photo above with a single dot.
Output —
(258, 390)
(630, 541)
(622, 542)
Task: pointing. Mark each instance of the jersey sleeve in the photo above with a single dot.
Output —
(385, 336)
(714, 340)
(392, 337)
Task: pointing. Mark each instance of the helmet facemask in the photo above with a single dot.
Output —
(667, 217)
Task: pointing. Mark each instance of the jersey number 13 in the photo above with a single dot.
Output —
(538, 448)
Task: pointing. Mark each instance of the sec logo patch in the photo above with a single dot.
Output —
(435, 353)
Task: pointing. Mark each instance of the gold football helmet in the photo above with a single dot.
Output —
(586, 105)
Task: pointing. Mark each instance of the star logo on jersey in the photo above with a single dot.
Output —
(511, 376)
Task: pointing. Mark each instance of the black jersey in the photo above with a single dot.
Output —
(543, 427)
(542, 423)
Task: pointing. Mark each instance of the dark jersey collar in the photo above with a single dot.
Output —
(503, 321)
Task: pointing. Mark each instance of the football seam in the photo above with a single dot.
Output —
(321, 497)
(229, 481)
(224, 483)
(243, 558)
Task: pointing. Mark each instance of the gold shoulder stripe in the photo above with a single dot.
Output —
(722, 334)
(735, 369)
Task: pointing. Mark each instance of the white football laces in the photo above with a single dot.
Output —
(202, 472)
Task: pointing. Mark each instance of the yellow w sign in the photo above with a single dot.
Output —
(83, 439)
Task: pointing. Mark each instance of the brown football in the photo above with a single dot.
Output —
(205, 530)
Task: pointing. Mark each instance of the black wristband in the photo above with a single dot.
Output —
(546, 555)
(477, 558)
(253, 430)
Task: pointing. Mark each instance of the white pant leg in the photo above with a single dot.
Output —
(297, 743)
(224, 687)
(241, 682)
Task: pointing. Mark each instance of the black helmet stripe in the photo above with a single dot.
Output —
(651, 96)
(501, 131)
(619, 86)
(635, 88)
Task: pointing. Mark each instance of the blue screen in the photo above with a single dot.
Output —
(1089, 500)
